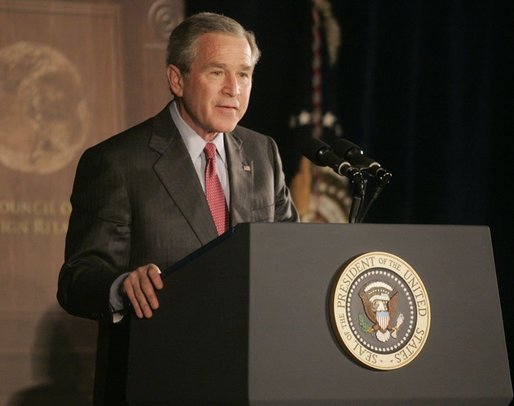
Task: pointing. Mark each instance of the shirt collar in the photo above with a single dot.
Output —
(194, 143)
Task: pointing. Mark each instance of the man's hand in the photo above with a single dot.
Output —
(139, 286)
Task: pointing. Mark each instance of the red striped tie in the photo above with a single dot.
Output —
(214, 191)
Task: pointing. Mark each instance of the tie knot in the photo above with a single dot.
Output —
(210, 150)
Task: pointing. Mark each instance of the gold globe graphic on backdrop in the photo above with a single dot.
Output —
(44, 115)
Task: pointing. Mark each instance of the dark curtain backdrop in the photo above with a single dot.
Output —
(425, 87)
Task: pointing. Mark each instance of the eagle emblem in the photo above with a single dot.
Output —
(375, 315)
(380, 302)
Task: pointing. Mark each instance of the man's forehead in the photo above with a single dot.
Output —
(217, 49)
(216, 41)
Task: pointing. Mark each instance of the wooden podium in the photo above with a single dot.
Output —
(245, 320)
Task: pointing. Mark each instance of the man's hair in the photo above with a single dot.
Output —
(181, 44)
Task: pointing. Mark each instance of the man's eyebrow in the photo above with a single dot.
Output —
(247, 67)
(216, 65)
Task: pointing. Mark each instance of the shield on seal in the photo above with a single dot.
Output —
(383, 319)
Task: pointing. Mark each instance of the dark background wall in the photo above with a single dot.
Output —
(425, 87)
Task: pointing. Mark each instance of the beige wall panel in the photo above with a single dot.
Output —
(62, 91)
(72, 73)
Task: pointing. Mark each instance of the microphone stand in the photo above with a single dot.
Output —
(381, 184)
(358, 195)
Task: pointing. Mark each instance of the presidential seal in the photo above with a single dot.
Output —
(380, 312)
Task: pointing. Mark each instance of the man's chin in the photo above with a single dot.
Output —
(226, 127)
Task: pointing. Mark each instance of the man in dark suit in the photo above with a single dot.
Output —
(147, 197)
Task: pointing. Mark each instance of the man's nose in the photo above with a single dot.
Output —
(231, 86)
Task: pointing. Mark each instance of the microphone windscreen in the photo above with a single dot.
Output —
(311, 148)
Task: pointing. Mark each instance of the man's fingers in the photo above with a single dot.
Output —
(137, 297)
(148, 292)
(140, 285)
(149, 282)
(129, 292)
(155, 275)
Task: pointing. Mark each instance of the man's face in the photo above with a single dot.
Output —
(213, 96)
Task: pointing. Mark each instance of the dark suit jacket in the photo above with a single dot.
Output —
(137, 199)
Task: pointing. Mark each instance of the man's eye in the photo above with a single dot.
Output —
(217, 73)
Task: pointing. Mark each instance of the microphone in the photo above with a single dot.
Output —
(321, 154)
(353, 154)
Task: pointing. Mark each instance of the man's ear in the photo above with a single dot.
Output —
(175, 80)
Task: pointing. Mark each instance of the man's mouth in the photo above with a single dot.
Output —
(228, 107)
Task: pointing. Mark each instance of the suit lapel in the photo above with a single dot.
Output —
(240, 168)
(177, 174)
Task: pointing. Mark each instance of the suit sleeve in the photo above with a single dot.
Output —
(284, 206)
(98, 238)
